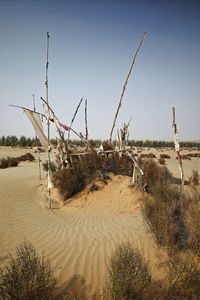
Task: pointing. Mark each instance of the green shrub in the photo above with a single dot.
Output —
(27, 277)
(129, 274)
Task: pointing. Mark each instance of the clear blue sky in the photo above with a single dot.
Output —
(91, 48)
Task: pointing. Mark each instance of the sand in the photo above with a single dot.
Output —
(78, 238)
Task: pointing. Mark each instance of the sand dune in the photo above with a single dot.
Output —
(80, 237)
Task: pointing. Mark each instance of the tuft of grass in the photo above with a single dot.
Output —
(129, 274)
(27, 276)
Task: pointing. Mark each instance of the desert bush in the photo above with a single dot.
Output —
(26, 157)
(192, 211)
(154, 175)
(165, 156)
(194, 179)
(68, 182)
(52, 165)
(107, 146)
(4, 163)
(161, 161)
(162, 209)
(27, 277)
(183, 278)
(149, 155)
(129, 274)
(13, 162)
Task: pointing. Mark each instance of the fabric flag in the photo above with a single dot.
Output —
(49, 184)
(37, 124)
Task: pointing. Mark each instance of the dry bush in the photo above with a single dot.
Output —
(84, 169)
(194, 179)
(192, 211)
(149, 155)
(154, 175)
(165, 156)
(4, 163)
(129, 274)
(162, 210)
(27, 277)
(26, 157)
(53, 167)
(183, 278)
(107, 146)
(67, 182)
(161, 161)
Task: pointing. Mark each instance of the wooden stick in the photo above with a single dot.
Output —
(28, 110)
(48, 118)
(57, 118)
(125, 84)
(86, 126)
(74, 116)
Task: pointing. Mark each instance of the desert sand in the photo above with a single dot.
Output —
(78, 238)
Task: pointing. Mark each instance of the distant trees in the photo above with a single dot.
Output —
(23, 141)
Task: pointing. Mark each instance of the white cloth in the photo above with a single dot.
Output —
(37, 124)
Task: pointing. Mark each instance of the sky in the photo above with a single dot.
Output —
(92, 44)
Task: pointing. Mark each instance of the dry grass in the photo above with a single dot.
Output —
(27, 277)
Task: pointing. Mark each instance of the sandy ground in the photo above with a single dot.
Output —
(80, 237)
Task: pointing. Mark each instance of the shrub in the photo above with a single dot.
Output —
(27, 277)
(161, 161)
(68, 182)
(192, 211)
(162, 210)
(183, 278)
(129, 274)
(154, 175)
(149, 155)
(194, 179)
(4, 163)
(107, 146)
(165, 156)
(53, 167)
(26, 157)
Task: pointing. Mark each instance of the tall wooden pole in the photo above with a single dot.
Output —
(177, 148)
(86, 124)
(125, 84)
(48, 121)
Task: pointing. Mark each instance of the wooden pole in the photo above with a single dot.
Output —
(74, 116)
(86, 126)
(48, 120)
(177, 148)
(125, 84)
